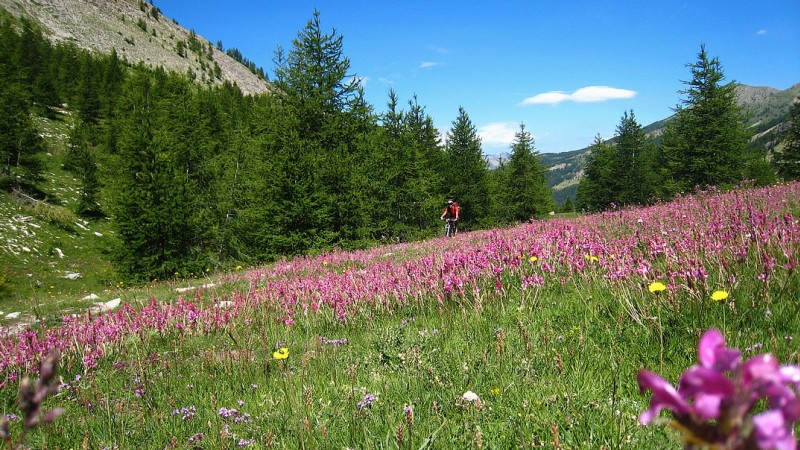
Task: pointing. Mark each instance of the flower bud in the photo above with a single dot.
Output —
(52, 415)
(26, 397)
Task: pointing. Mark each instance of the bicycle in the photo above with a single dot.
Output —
(449, 228)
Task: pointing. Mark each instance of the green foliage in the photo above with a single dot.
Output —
(55, 214)
(466, 173)
(157, 172)
(704, 144)
(596, 190)
(523, 182)
(787, 161)
(20, 144)
(621, 172)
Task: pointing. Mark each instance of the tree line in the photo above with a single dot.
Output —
(195, 177)
(705, 143)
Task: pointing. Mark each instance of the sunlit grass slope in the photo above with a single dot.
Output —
(522, 337)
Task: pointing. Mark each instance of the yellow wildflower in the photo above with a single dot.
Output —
(281, 353)
(656, 287)
(533, 259)
(719, 296)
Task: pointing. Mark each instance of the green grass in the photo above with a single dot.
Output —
(557, 372)
(554, 367)
(32, 278)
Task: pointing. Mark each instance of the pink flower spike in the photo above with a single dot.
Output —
(790, 374)
(772, 432)
(664, 396)
(713, 354)
(760, 368)
(708, 387)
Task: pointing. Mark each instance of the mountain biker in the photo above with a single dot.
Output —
(451, 214)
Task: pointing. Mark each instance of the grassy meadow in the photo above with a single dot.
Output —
(525, 337)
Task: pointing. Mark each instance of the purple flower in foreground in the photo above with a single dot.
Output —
(368, 400)
(226, 413)
(771, 431)
(715, 400)
(664, 396)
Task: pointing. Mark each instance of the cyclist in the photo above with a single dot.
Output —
(451, 214)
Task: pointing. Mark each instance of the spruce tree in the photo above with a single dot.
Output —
(330, 120)
(423, 137)
(704, 144)
(20, 143)
(527, 192)
(634, 181)
(155, 202)
(598, 188)
(466, 174)
(787, 161)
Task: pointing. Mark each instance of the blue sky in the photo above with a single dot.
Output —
(566, 69)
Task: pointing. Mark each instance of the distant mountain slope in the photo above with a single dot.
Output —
(766, 109)
(139, 33)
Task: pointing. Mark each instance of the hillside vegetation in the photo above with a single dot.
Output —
(765, 109)
(138, 32)
(521, 337)
(185, 264)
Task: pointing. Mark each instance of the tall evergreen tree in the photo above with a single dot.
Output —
(466, 175)
(630, 141)
(331, 119)
(88, 101)
(527, 192)
(787, 161)
(705, 142)
(423, 138)
(80, 159)
(20, 144)
(155, 207)
(597, 188)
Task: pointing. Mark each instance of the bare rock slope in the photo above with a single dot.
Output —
(139, 33)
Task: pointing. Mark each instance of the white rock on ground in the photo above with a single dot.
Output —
(58, 252)
(91, 297)
(72, 275)
(107, 306)
(13, 315)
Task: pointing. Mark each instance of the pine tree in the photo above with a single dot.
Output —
(88, 101)
(705, 142)
(155, 202)
(330, 119)
(467, 172)
(20, 144)
(527, 192)
(787, 161)
(597, 189)
(423, 138)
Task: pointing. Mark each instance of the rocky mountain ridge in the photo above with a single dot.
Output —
(139, 33)
(766, 110)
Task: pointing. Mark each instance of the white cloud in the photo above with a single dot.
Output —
(586, 94)
(498, 133)
(428, 64)
(385, 80)
(761, 32)
(439, 50)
